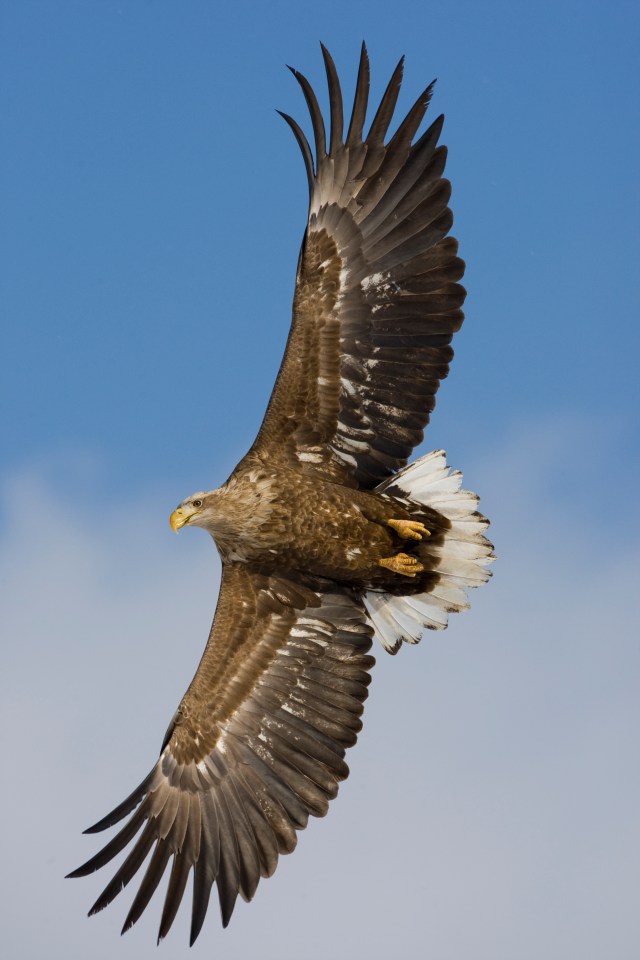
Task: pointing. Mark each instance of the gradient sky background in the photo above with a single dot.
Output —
(153, 204)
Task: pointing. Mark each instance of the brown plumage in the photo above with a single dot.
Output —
(326, 537)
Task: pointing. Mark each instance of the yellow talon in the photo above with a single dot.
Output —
(409, 529)
(402, 563)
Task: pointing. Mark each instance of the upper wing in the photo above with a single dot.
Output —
(256, 745)
(377, 299)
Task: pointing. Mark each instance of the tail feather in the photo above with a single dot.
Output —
(458, 559)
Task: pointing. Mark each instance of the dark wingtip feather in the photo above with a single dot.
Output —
(383, 116)
(360, 100)
(305, 149)
(429, 139)
(153, 876)
(115, 845)
(127, 805)
(315, 112)
(127, 870)
(97, 827)
(196, 927)
(335, 100)
(202, 882)
(173, 897)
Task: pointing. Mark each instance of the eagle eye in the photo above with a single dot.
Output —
(196, 503)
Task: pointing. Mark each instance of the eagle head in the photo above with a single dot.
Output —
(194, 510)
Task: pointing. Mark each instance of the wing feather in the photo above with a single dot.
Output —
(384, 113)
(335, 101)
(178, 877)
(305, 149)
(150, 881)
(256, 746)
(377, 289)
(360, 102)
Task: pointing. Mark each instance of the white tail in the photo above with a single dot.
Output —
(459, 559)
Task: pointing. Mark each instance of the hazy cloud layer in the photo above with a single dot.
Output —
(492, 807)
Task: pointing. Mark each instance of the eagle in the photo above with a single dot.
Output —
(327, 537)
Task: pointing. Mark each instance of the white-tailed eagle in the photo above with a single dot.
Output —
(326, 536)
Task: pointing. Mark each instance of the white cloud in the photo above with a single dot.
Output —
(492, 807)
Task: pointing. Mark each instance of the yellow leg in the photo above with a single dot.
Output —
(402, 563)
(409, 529)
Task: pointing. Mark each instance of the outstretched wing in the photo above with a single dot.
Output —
(377, 299)
(256, 745)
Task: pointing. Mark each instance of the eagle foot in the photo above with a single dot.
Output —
(402, 563)
(409, 529)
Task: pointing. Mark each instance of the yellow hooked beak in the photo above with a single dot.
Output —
(179, 519)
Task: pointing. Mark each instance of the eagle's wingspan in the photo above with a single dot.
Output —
(256, 745)
(377, 299)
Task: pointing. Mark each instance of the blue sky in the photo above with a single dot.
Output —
(155, 203)
(152, 207)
